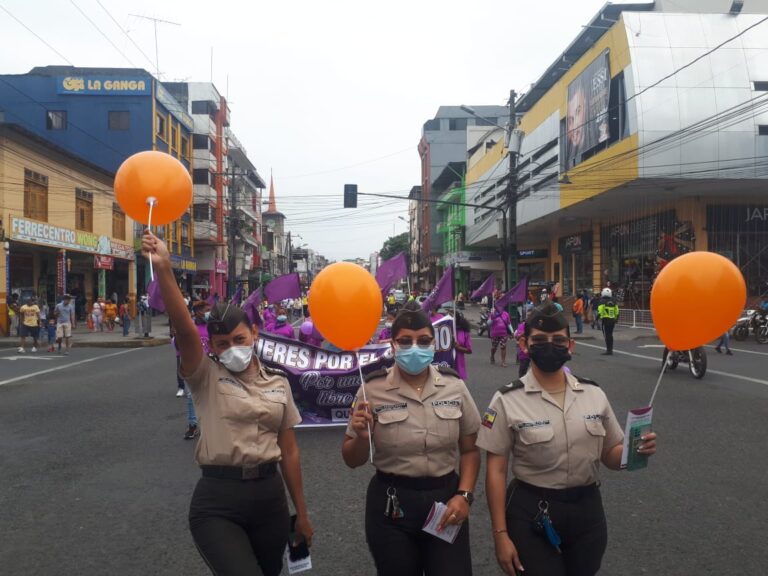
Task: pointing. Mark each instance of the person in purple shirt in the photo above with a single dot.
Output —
(282, 328)
(270, 318)
(499, 334)
(386, 333)
(463, 345)
(435, 315)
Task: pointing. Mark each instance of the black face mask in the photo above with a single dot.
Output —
(548, 357)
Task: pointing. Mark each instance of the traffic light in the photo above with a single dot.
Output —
(350, 195)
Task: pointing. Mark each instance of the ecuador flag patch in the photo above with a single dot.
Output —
(489, 418)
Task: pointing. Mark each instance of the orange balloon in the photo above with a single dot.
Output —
(148, 175)
(696, 298)
(345, 305)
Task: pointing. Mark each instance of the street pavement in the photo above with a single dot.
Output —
(95, 477)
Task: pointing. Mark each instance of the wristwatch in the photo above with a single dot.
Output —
(467, 495)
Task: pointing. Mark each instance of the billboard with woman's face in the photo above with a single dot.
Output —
(586, 122)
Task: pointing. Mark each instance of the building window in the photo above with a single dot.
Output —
(174, 132)
(203, 107)
(201, 142)
(184, 147)
(56, 120)
(35, 196)
(118, 222)
(83, 210)
(119, 119)
(200, 212)
(185, 234)
(762, 130)
(457, 124)
(160, 126)
(486, 122)
(201, 176)
(761, 86)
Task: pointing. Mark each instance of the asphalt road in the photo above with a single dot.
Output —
(96, 479)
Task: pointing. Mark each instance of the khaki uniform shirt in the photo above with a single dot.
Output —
(240, 417)
(418, 436)
(548, 446)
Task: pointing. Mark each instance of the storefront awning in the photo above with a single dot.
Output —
(248, 240)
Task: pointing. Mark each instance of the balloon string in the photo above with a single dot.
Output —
(658, 382)
(149, 226)
(365, 399)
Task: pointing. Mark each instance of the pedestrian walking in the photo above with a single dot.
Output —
(594, 305)
(110, 314)
(97, 316)
(499, 333)
(385, 336)
(422, 419)
(50, 329)
(463, 344)
(30, 324)
(282, 327)
(550, 519)
(578, 314)
(65, 322)
(13, 314)
(238, 516)
(125, 316)
(725, 340)
(609, 314)
(297, 308)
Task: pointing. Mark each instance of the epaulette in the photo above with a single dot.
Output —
(516, 385)
(586, 381)
(380, 373)
(448, 370)
(275, 371)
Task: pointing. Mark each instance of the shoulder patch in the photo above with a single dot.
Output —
(380, 373)
(516, 385)
(586, 381)
(275, 371)
(448, 370)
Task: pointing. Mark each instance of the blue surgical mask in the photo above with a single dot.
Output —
(414, 360)
(282, 318)
(207, 316)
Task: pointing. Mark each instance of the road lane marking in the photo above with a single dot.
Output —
(658, 361)
(49, 370)
(14, 358)
(743, 350)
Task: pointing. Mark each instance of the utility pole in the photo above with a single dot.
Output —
(155, 21)
(233, 230)
(513, 150)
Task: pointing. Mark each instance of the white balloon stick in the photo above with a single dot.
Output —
(151, 201)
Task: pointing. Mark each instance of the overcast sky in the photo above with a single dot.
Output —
(321, 93)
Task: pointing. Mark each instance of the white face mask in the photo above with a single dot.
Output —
(236, 358)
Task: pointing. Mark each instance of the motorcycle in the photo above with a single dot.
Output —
(761, 328)
(483, 326)
(696, 360)
(748, 323)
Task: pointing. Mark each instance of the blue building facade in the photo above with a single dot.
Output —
(104, 115)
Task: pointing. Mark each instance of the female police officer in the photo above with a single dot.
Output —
(239, 515)
(421, 418)
(557, 429)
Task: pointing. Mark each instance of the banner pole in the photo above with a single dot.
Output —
(151, 201)
(365, 399)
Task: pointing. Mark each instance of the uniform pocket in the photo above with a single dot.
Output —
(536, 435)
(388, 425)
(229, 389)
(595, 427)
(448, 421)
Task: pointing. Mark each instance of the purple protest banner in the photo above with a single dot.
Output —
(518, 293)
(251, 307)
(390, 272)
(324, 383)
(154, 297)
(443, 292)
(283, 287)
(485, 288)
(238, 295)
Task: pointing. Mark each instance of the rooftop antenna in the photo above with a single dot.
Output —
(155, 21)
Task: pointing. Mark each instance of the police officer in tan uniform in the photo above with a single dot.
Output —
(556, 429)
(423, 421)
(239, 514)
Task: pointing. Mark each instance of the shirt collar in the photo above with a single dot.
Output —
(532, 385)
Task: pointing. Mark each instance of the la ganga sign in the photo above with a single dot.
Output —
(104, 85)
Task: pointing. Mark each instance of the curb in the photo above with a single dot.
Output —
(131, 343)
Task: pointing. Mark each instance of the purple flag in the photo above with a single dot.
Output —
(390, 272)
(154, 296)
(251, 306)
(443, 292)
(282, 287)
(518, 293)
(212, 299)
(238, 295)
(486, 288)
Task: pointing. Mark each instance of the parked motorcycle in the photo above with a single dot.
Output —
(696, 360)
(483, 327)
(761, 328)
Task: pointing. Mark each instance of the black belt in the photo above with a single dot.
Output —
(416, 483)
(255, 472)
(560, 494)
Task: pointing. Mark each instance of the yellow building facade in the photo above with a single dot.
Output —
(61, 230)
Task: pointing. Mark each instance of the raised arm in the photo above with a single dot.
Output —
(187, 336)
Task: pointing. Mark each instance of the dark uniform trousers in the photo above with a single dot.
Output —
(578, 518)
(608, 325)
(400, 547)
(240, 527)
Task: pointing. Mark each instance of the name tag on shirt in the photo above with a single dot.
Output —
(451, 403)
(535, 424)
(390, 407)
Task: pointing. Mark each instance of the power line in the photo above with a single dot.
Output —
(107, 38)
(125, 32)
(67, 60)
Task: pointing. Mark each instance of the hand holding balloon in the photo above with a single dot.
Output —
(155, 250)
